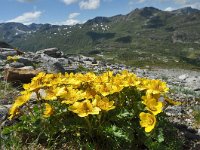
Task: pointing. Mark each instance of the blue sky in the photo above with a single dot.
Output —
(78, 11)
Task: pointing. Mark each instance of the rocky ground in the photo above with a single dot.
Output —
(184, 84)
(185, 88)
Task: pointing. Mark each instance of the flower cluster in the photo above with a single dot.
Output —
(13, 58)
(91, 94)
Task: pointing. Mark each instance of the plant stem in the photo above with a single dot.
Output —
(89, 126)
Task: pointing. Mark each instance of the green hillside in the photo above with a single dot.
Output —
(145, 36)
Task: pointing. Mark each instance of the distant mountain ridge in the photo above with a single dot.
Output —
(142, 32)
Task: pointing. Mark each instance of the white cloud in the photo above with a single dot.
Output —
(181, 1)
(70, 22)
(89, 4)
(133, 2)
(194, 5)
(141, 1)
(68, 2)
(107, 0)
(169, 9)
(27, 18)
(25, 1)
(73, 15)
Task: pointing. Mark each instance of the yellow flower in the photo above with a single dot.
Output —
(50, 94)
(73, 95)
(152, 103)
(89, 77)
(148, 121)
(18, 102)
(157, 87)
(36, 83)
(22, 99)
(172, 102)
(39, 78)
(13, 58)
(150, 95)
(73, 81)
(13, 111)
(61, 91)
(107, 88)
(52, 79)
(48, 110)
(103, 103)
(90, 93)
(129, 79)
(32, 87)
(143, 84)
(104, 78)
(104, 88)
(84, 108)
(154, 106)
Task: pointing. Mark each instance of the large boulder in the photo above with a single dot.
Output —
(5, 52)
(52, 52)
(49, 64)
(23, 74)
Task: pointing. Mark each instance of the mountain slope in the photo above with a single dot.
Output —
(4, 45)
(148, 35)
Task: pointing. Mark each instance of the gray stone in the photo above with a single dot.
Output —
(72, 69)
(183, 77)
(173, 110)
(4, 111)
(50, 64)
(26, 61)
(4, 53)
(191, 79)
(198, 131)
(53, 52)
(63, 61)
(16, 65)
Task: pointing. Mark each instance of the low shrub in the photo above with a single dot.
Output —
(90, 111)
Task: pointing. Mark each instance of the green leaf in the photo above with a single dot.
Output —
(160, 136)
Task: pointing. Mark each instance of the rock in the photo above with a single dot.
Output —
(50, 64)
(4, 111)
(183, 77)
(173, 110)
(16, 65)
(197, 89)
(52, 52)
(24, 74)
(191, 79)
(198, 131)
(2, 64)
(57, 67)
(71, 69)
(26, 61)
(5, 52)
(63, 61)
